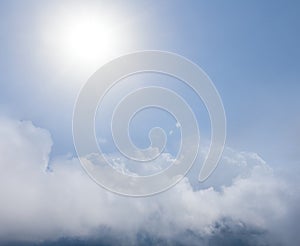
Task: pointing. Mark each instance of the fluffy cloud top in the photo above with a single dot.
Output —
(244, 201)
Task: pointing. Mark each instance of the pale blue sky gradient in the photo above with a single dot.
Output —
(249, 49)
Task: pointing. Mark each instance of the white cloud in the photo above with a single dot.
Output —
(39, 205)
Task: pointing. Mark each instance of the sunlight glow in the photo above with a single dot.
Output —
(83, 38)
(88, 38)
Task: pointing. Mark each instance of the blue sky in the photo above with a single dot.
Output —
(249, 49)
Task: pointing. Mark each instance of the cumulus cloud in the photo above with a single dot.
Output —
(244, 202)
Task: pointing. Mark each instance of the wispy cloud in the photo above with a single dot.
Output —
(244, 197)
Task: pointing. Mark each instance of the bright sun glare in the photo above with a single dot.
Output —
(88, 38)
(84, 38)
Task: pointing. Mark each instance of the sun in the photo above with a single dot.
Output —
(85, 38)
(89, 38)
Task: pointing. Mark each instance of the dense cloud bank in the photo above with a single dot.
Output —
(243, 203)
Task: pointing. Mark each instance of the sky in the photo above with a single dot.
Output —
(49, 49)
